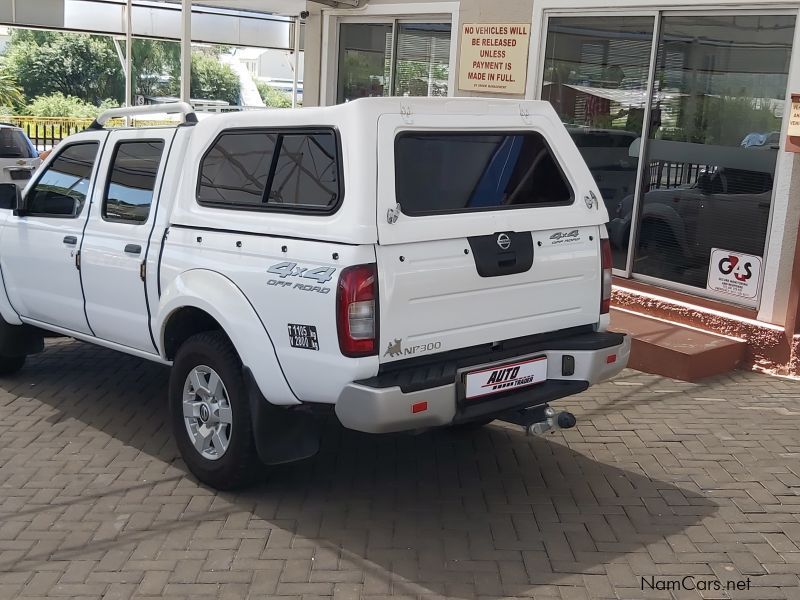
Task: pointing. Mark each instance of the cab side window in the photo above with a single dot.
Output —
(61, 190)
(131, 181)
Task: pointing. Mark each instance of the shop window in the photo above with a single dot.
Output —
(373, 63)
(595, 76)
(706, 155)
(717, 106)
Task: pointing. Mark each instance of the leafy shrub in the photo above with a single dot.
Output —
(273, 96)
(59, 105)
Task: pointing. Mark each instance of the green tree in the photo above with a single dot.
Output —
(155, 64)
(84, 66)
(213, 80)
(273, 97)
(10, 94)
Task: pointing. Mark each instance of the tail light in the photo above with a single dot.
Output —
(357, 310)
(605, 253)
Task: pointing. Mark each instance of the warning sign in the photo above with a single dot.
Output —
(494, 57)
(794, 119)
(734, 273)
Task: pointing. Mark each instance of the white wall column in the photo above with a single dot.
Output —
(186, 49)
(296, 36)
(128, 56)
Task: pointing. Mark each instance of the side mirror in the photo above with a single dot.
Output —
(9, 192)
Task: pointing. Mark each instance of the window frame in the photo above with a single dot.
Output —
(277, 208)
(48, 167)
(110, 170)
(473, 133)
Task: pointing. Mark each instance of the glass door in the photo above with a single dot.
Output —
(678, 116)
(365, 51)
(717, 104)
(398, 58)
(596, 74)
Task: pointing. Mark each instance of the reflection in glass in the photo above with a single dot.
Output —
(423, 59)
(62, 188)
(132, 181)
(595, 76)
(370, 65)
(717, 108)
(365, 51)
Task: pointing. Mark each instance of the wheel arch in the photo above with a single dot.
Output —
(203, 300)
(659, 214)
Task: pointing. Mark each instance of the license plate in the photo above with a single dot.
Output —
(20, 174)
(505, 378)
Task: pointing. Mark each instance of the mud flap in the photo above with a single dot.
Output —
(19, 340)
(282, 435)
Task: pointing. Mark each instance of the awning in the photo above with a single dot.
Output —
(259, 23)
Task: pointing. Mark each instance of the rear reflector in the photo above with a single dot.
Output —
(419, 407)
(605, 254)
(357, 310)
(611, 359)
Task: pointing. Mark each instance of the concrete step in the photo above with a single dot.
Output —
(675, 351)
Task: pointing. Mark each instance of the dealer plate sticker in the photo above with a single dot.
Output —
(303, 336)
(503, 378)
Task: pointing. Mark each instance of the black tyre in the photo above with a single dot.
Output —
(210, 412)
(11, 364)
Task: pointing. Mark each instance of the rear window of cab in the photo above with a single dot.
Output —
(290, 170)
(451, 172)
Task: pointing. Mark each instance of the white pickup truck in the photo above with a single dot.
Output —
(414, 263)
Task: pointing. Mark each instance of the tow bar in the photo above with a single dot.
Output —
(540, 419)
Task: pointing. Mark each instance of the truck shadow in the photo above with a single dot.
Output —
(491, 512)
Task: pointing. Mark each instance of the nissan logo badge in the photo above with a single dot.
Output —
(503, 241)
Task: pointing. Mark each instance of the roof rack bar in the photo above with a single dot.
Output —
(183, 108)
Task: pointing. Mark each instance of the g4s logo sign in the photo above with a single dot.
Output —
(734, 273)
(741, 270)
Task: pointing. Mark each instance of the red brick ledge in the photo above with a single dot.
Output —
(768, 347)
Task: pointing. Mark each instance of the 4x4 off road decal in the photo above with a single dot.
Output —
(288, 271)
(565, 237)
(396, 349)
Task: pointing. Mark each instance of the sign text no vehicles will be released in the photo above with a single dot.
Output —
(494, 58)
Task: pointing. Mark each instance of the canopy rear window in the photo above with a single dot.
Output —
(449, 172)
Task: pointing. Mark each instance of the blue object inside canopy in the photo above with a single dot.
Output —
(492, 185)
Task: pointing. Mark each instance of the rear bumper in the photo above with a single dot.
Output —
(379, 406)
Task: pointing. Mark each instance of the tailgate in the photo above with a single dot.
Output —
(486, 232)
(432, 298)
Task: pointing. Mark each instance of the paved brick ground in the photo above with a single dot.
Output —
(660, 479)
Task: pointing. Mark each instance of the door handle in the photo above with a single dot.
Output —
(133, 249)
(70, 239)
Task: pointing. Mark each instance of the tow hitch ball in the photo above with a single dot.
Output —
(540, 419)
(552, 421)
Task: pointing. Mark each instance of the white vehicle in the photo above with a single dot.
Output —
(18, 157)
(409, 263)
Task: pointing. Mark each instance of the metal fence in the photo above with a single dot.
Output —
(665, 174)
(46, 132)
